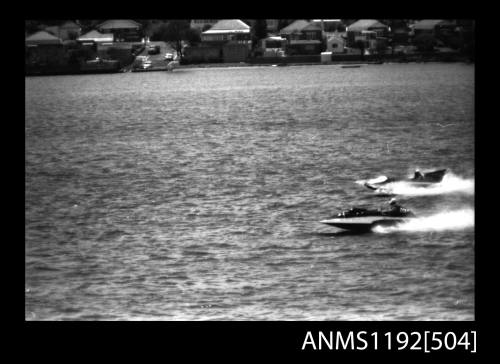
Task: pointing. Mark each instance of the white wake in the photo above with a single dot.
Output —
(449, 220)
(451, 183)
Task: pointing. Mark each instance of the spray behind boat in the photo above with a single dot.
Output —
(428, 183)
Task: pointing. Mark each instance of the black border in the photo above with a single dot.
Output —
(238, 340)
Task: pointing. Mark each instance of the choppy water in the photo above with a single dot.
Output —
(196, 194)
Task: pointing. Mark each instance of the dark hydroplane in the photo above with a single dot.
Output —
(361, 219)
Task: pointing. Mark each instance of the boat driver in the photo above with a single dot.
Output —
(418, 175)
(396, 209)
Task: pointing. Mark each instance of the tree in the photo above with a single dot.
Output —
(381, 47)
(324, 43)
(259, 31)
(144, 22)
(72, 35)
(158, 33)
(361, 45)
(174, 32)
(89, 24)
(424, 42)
(260, 28)
(193, 36)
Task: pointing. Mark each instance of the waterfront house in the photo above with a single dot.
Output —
(443, 32)
(366, 30)
(227, 30)
(43, 48)
(42, 38)
(439, 29)
(303, 37)
(232, 37)
(228, 40)
(426, 26)
(335, 43)
(123, 30)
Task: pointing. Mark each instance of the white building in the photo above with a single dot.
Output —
(227, 30)
(335, 44)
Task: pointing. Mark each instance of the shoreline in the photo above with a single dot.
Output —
(338, 63)
(249, 64)
(330, 63)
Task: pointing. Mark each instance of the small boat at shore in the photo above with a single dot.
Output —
(172, 65)
(351, 66)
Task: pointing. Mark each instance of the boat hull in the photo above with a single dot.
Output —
(364, 223)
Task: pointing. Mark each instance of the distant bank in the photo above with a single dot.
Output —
(113, 67)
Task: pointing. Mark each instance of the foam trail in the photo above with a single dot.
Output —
(451, 183)
(449, 220)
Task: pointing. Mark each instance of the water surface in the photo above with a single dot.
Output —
(196, 194)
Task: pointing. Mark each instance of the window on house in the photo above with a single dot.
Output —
(310, 36)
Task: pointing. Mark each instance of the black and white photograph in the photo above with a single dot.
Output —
(250, 170)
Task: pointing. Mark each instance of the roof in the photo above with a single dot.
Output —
(43, 37)
(94, 34)
(427, 24)
(313, 26)
(365, 24)
(228, 25)
(296, 26)
(119, 24)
